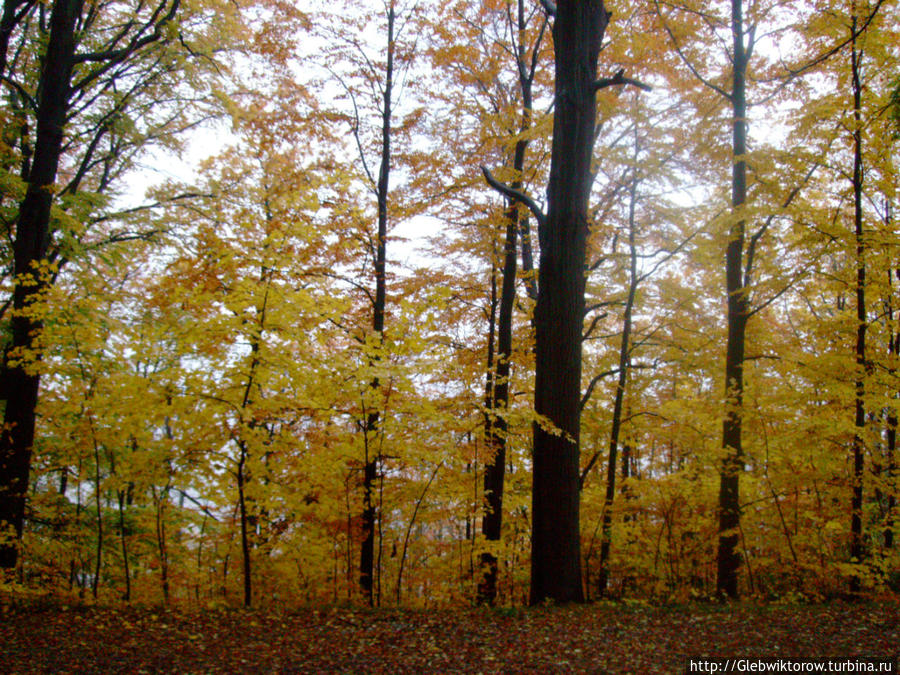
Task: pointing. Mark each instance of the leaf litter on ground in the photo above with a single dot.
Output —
(613, 639)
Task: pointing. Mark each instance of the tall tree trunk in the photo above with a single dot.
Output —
(32, 240)
(624, 361)
(485, 594)
(370, 469)
(245, 537)
(242, 474)
(98, 562)
(495, 437)
(728, 560)
(161, 543)
(555, 545)
(123, 537)
(891, 431)
(856, 501)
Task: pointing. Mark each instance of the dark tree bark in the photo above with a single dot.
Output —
(161, 542)
(728, 560)
(624, 361)
(32, 241)
(19, 381)
(486, 593)
(498, 390)
(242, 473)
(738, 300)
(13, 13)
(372, 457)
(891, 431)
(123, 539)
(856, 502)
(245, 537)
(578, 31)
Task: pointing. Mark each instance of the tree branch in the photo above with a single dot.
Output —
(597, 319)
(754, 240)
(620, 79)
(515, 195)
(593, 383)
(696, 73)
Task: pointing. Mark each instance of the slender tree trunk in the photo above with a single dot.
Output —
(495, 436)
(485, 594)
(245, 537)
(162, 544)
(495, 464)
(412, 521)
(32, 240)
(728, 560)
(95, 583)
(891, 431)
(555, 545)
(891, 472)
(370, 469)
(856, 502)
(624, 361)
(243, 474)
(124, 541)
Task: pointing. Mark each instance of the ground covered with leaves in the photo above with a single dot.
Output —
(591, 639)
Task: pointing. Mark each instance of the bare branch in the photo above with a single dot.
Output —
(593, 383)
(696, 73)
(21, 91)
(620, 79)
(754, 240)
(152, 205)
(793, 73)
(515, 195)
(117, 55)
(597, 319)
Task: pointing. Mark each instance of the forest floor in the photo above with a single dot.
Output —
(601, 638)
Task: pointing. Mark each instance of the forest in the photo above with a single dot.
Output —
(419, 304)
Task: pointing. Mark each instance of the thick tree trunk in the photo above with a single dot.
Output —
(555, 546)
(29, 250)
(856, 502)
(370, 469)
(737, 314)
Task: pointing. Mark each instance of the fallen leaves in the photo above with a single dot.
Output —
(612, 639)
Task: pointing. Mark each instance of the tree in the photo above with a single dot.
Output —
(856, 518)
(498, 375)
(740, 250)
(78, 106)
(578, 30)
(369, 87)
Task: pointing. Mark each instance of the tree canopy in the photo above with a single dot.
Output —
(459, 302)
